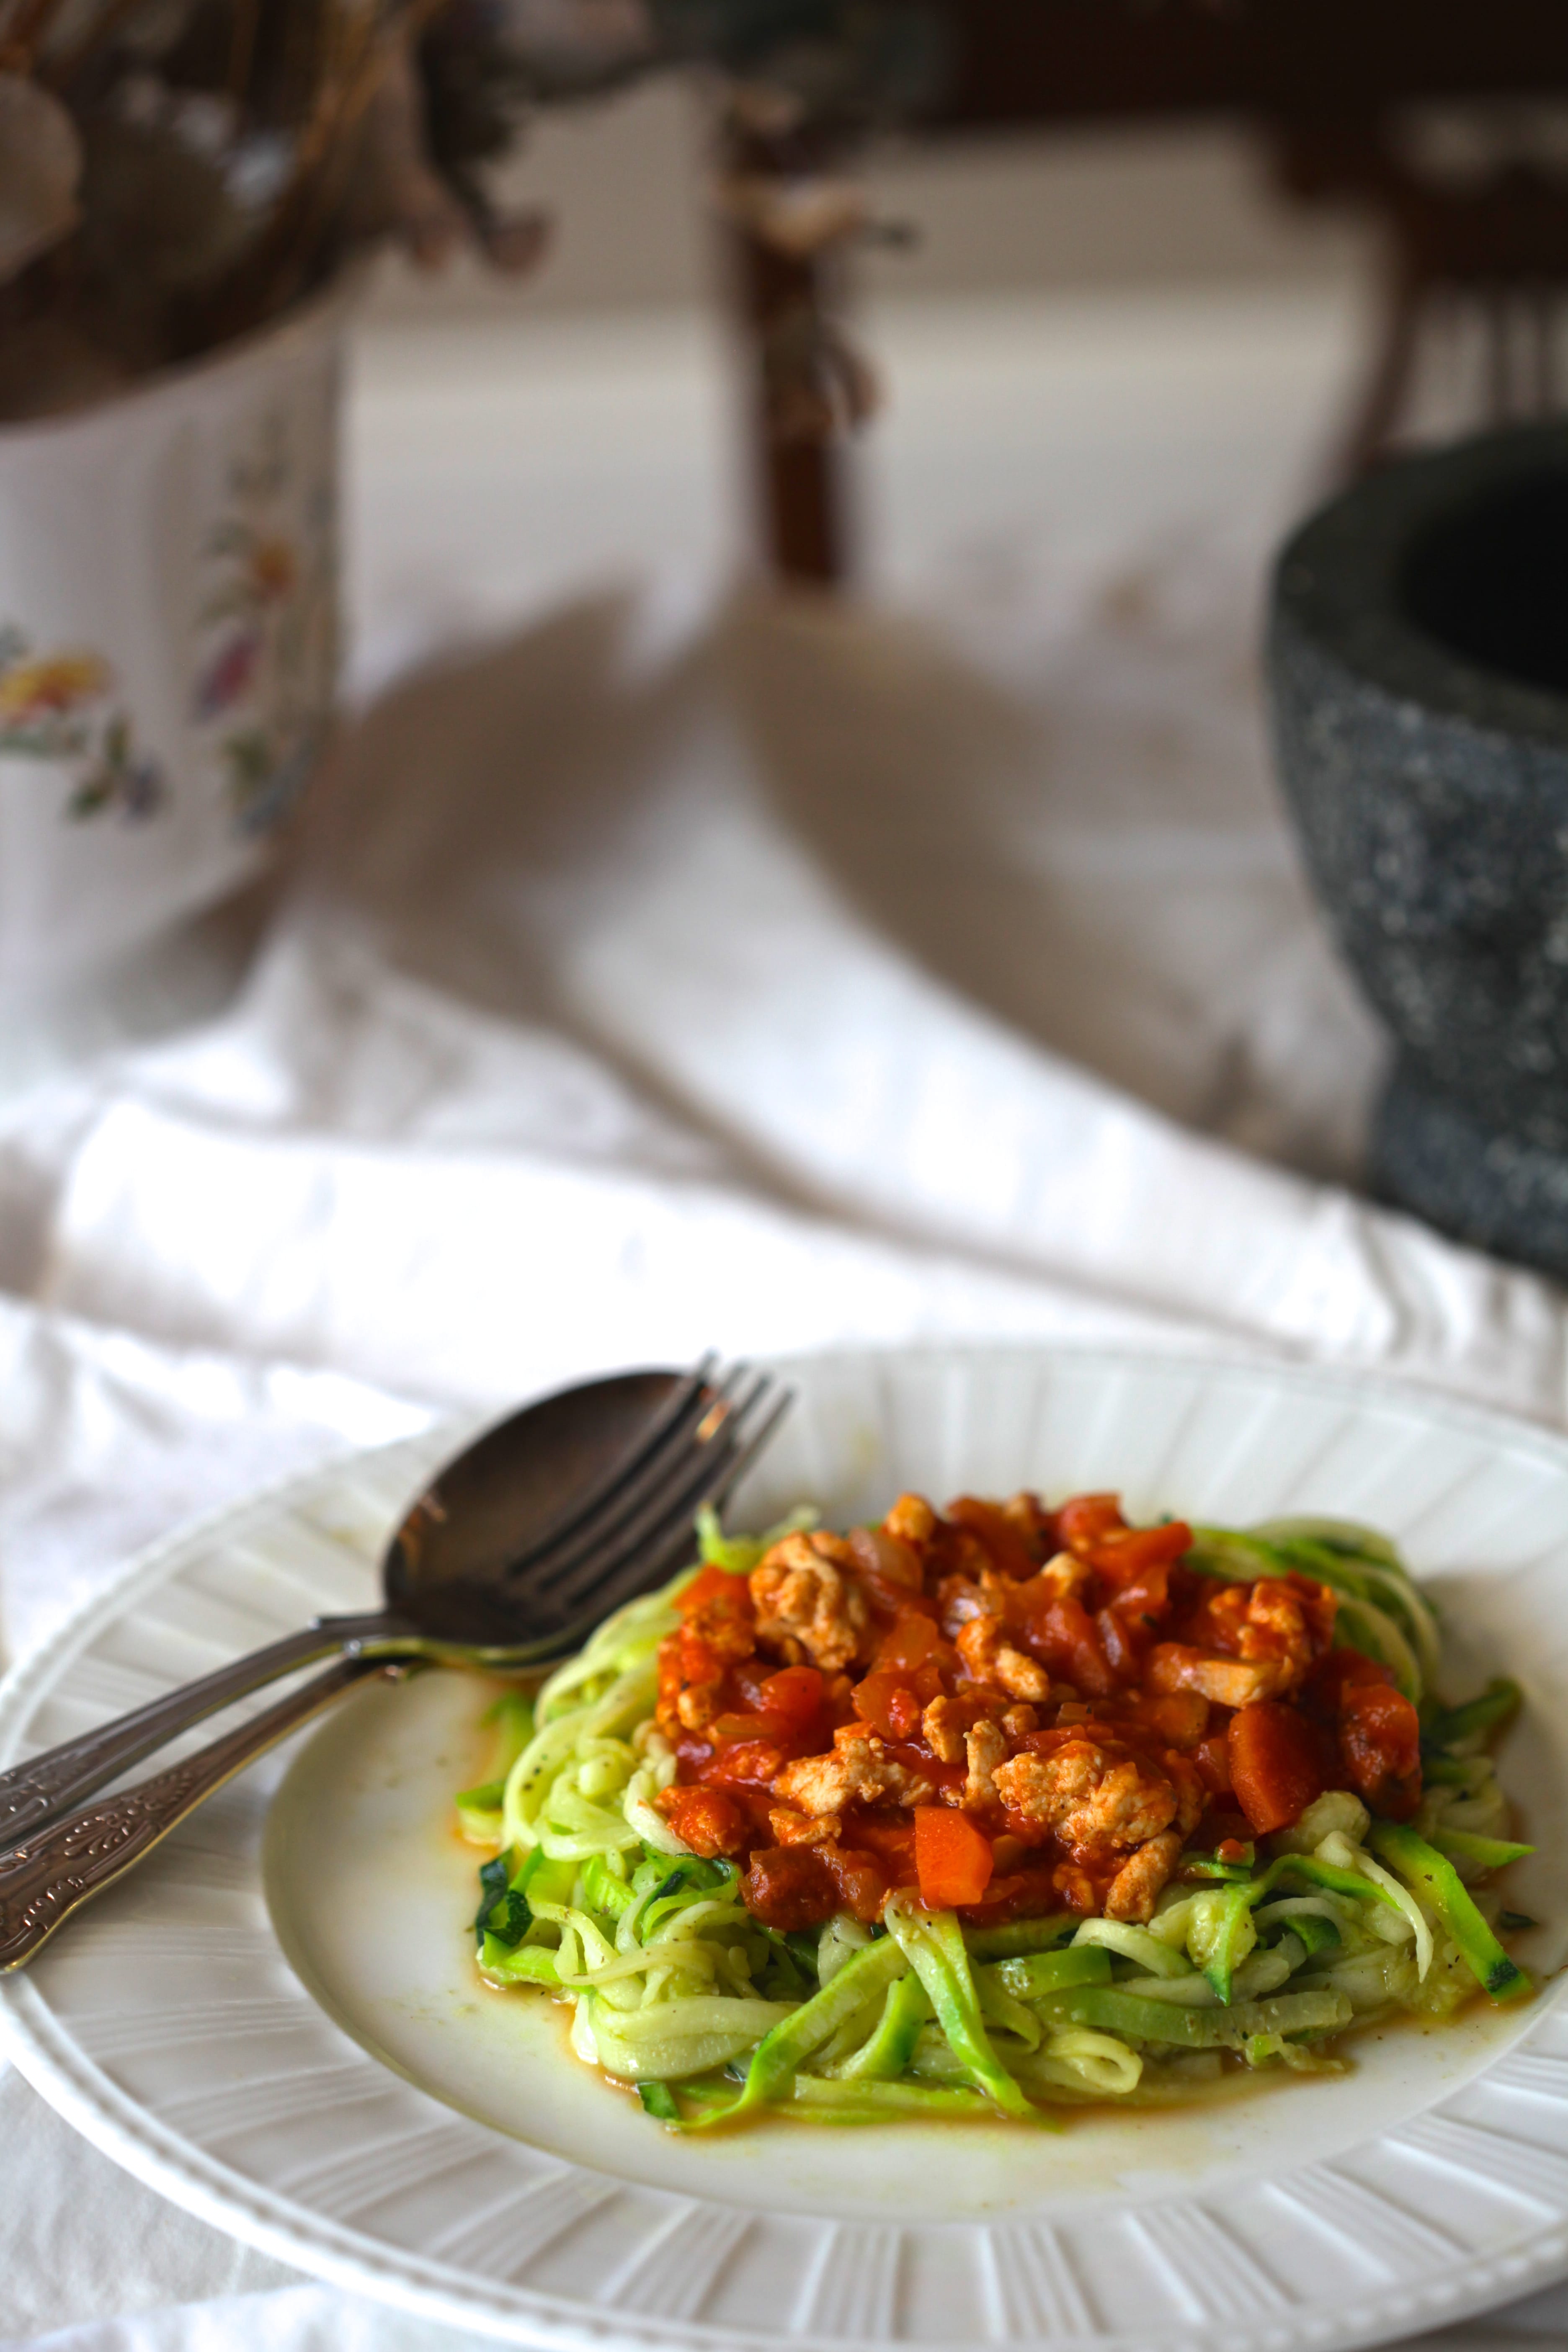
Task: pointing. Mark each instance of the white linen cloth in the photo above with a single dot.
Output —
(658, 974)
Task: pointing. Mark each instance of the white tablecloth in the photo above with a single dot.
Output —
(665, 970)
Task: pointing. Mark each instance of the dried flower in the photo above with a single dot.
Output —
(176, 172)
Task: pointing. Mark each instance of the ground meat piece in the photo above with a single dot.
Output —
(789, 1889)
(797, 1829)
(690, 1683)
(878, 1777)
(989, 1657)
(1285, 1624)
(707, 1820)
(986, 1594)
(1077, 1889)
(716, 1634)
(860, 1768)
(1135, 1888)
(797, 1886)
(809, 1602)
(724, 1625)
(1062, 1575)
(818, 1785)
(942, 1726)
(959, 1599)
(911, 1519)
(1097, 1801)
(984, 1747)
(1229, 1682)
(1019, 1721)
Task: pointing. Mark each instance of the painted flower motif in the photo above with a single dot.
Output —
(58, 709)
(274, 570)
(121, 778)
(227, 677)
(52, 686)
(268, 629)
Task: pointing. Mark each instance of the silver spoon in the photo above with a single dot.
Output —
(518, 1546)
(63, 1866)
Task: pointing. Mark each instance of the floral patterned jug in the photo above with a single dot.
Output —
(168, 642)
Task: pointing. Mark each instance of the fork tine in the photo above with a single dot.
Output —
(639, 1572)
(630, 1573)
(639, 1500)
(668, 1430)
(672, 1509)
(752, 1445)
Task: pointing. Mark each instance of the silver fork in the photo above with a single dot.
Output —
(64, 1865)
(477, 1572)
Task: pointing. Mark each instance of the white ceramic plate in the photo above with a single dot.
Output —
(276, 2022)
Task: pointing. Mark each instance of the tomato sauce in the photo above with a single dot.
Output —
(1016, 1710)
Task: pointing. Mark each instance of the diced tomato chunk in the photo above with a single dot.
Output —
(1086, 1519)
(996, 1532)
(1129, 1552)
(1142, 1602)
(1115, 1641)
(795, 1693)
(1212, 1757)
(904, 1715)
(912, 1638)
(1065, 1637)
(1181, 1718)
(887, 1559)
(747, 1677)
(875, 1696)
(1277, 1764)
(787, 1712)
(699, 1661)
(952, 1858)
(710, 1823)
(1379, 1741)
(890, 1840)
(728, 1728)
(1338, 1672)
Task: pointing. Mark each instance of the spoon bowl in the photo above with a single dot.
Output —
(453, 1570)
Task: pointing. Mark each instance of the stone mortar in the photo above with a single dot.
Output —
(1418, 672)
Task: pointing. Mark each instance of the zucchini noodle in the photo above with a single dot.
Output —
(1250, 1957)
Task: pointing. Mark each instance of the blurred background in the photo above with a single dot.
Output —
(1052, 311)
(1035, 380)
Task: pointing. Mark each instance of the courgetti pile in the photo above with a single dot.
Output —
(994, 1813)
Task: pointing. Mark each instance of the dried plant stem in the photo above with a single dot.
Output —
(360, 52)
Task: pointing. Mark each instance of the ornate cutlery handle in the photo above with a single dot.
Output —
(48, 1877)
(49, 1784)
